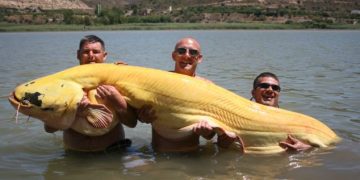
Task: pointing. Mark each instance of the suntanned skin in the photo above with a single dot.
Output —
(186, 64)
(94, 52)
(270, 97)
(91, 52)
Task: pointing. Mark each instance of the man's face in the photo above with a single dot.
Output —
(187, 54)
(267, 91)
(91, 53)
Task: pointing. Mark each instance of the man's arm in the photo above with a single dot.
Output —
(110, 95)
(146, 114)
(129, 118)
(204, 129)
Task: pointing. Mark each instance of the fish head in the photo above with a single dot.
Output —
(53, 101)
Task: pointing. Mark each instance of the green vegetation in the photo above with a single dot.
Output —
(155, 14)
(6, 27)
(248, 10)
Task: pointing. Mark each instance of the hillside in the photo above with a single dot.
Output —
(44, 4)
(108, 3)
(333, 5)
(314, 13)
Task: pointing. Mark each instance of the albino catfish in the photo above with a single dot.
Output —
(179, 101)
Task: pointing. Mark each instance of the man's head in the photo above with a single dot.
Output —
(187, 54)
(91, 50)
(266, 89)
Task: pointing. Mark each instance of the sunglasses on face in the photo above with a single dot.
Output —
(267, 85)
(192, 52)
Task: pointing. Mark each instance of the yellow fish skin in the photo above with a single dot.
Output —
(179, 101)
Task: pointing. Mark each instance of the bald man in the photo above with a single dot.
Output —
(187, 55)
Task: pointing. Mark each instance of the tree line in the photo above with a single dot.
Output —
(135, 14)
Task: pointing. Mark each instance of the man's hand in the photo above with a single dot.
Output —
(293, 144)
(110, 95)
(146, 114)
(226, 139)
(81, 111)
(204, 129)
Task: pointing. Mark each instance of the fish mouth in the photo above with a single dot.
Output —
(16, 102)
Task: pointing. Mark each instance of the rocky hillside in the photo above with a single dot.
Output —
(109, 3)
(332, 5)
(44, 4)
(318, 12)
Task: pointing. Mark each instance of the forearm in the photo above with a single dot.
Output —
(128, 118)
(120, 105)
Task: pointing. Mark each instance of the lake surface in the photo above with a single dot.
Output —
(319, 73)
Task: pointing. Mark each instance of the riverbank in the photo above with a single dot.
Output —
(7, 27)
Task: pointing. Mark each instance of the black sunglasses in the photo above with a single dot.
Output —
(192, 52)
(267, 85)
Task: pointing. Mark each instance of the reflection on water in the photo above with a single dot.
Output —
(210, 163)
(319, 72)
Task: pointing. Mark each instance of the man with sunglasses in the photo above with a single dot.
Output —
(266, 91)
(186, 55)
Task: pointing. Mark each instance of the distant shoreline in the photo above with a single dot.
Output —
(7, 27)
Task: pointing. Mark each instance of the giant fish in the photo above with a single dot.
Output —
(179, 101)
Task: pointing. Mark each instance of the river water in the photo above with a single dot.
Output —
(319, 73)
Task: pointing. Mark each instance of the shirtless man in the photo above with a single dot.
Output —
(186, 55)
(266, 91)
(92, 50)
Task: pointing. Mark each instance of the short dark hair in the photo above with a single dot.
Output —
(91, 39)
(264, 74)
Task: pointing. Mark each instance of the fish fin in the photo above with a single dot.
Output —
(98, 115)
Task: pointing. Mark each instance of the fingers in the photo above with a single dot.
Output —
(285, 145)
(292, 139)
(204, 129)
(84, 100)
(202, 126)
(104, 91)
(107, 91)
(226, 139)
(293, 144)
(111, 95)
(83, 103)
(101, 92)
(288, 144)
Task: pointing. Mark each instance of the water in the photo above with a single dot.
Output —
(319, 73)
